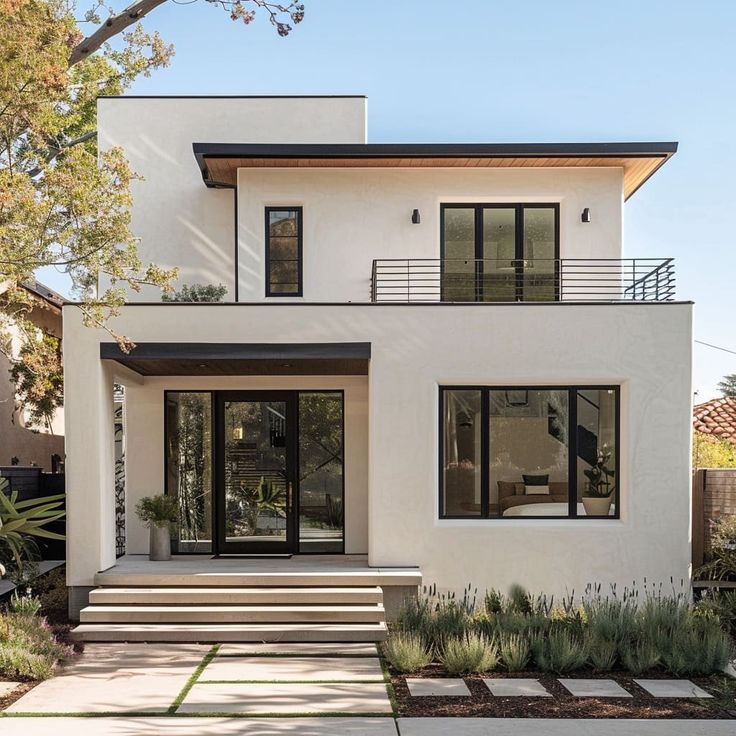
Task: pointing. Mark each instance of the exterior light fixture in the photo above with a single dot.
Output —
(585, 217)
(415, 218)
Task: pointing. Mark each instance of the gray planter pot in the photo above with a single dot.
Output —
(160, 545)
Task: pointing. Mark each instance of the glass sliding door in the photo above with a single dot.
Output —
(458, 274)
(539, 267)
(321, 472)
(499, 252)
(256, 472)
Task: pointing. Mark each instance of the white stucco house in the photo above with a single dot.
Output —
(424, 353)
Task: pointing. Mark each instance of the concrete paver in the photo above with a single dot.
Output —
(362, 697)
(162, 726)
(593, 688)
(561, 727)
(337, 649)
(441, 686)
(673, 689)
(293, 668)
(505, 687)
(116, 678)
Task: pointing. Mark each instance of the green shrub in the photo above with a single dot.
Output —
(515, 651)
(24, 605)
(699, 648)
(721, 552)
(640, 656)
(407, 652)
(602, 652)
(469, 653)
(610, 619)
(561, 652)
(28, 648)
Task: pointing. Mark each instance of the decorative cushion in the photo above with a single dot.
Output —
(536, 480)
(536, 490)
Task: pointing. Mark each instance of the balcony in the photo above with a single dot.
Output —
(434, 280)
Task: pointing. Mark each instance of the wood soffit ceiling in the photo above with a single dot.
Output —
(220, 168)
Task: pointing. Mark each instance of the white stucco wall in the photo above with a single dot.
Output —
(178, 220)
(643, 347)
(352, 216)
(144, 458)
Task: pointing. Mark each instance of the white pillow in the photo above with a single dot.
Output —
(536, 490)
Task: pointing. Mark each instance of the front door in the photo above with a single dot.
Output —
(256, 472)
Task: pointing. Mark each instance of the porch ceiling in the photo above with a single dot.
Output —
(242, 359)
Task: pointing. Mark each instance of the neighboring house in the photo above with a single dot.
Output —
(424, 349)
(23, 442)
(716, 418)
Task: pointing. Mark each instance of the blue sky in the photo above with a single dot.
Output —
(532, 70)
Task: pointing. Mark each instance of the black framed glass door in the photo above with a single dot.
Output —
(499, 252)
(255, 463)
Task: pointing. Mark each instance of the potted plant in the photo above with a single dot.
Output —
(159, 514)
(598, 495)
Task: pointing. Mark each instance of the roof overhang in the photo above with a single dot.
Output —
(219, 162)
(242, 359)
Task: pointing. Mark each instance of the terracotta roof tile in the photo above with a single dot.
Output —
(716, 417)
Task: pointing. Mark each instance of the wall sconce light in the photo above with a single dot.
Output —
(415, 218)
(585, 217)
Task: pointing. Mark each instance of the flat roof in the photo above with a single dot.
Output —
(219, 162)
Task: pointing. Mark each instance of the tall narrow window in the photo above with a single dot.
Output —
(189, 467)
(283, 251)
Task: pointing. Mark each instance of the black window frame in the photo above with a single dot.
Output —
(213, 394)
(300, 249)
(485, 451)
(518, 208)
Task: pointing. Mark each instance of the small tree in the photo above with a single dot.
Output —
(728, 385)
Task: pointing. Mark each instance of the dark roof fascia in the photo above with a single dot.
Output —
(412, 305)
(237, 351)
(43, 292)
(203, 151)
(231, 97)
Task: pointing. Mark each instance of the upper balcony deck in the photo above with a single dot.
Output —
(435, 280)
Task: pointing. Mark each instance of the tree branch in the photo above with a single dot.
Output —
(55, 150)
(114, 25)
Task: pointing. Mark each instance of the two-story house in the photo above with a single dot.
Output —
(426, 357)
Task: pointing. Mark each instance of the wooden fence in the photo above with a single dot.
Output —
(714, 496)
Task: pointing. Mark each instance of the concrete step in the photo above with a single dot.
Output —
(235, 596)
(230, 633)
(233, 614)
(299, 578)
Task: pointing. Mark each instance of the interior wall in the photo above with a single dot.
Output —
(144, 460)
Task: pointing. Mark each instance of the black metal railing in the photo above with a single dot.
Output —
(516, 280)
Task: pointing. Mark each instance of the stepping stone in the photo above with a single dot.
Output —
(325, 649)
(512, 687)
(293, 668)
(595, 688)
(285, 698)
(446, 687)
(7, 687)
(673, 689)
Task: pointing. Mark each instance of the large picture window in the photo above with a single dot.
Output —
(539, 452)
(283, 251)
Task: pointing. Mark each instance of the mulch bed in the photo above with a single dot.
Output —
(482, 704)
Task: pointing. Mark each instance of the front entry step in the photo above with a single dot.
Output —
(235, 596)
(207, 633)
(227, 614)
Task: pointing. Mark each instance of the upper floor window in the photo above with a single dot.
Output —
(283, 251)
(524, 451)
(500, 252)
